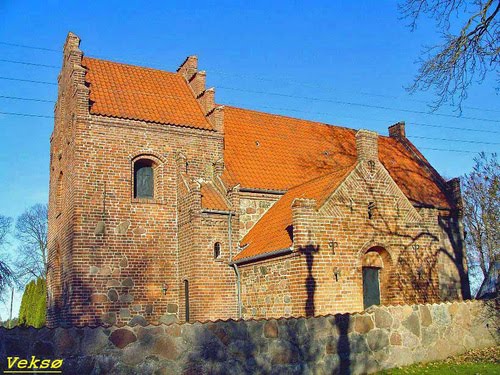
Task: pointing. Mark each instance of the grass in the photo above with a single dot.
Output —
(479, 361)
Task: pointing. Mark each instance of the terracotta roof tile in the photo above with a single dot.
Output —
(274, 230)
(261, 150)
(277, 152)
(137, 93)
(212, 199)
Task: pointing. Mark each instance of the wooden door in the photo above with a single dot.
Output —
(371, 286)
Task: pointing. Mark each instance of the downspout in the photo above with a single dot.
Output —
(238, 288)
(230, 235)
(236, 270)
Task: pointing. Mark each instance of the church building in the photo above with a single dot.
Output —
(168, 206)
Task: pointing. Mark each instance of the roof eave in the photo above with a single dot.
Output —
(270, 254)
(218, 212)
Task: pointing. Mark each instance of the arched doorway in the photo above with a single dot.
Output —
(375, 267)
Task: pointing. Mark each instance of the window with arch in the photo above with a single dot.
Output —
(217, 250)
(144, 179)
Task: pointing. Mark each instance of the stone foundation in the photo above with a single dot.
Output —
(379, 338)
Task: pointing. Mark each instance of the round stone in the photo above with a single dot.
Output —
(122, 337)
(113, 295)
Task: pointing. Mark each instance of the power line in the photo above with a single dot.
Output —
(25, 114)
(29, 63)
(26, 99)
(372, 119)
(303, 84)
(455, 128)
(448, 150)
(425, 148)
(28, 80)
(29, 47)
(299, 97)
(298, 83)
(355, 104)
(454, 140)
(293, 110)
(277, 108)
(145, 63)
(51, 117)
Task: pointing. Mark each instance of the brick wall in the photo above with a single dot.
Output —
(114, 258)
(366, 220)
(111, 255)
(69, 113)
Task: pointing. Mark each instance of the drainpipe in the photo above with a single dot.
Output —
(230, 235)
(238, 288)
(236, 270)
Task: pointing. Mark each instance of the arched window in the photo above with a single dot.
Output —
(144, 178)
(217, 250)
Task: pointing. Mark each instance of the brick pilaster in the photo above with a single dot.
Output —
(303, 213)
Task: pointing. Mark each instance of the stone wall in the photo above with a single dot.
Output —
(265, 289)
(252, 208)
(379, 338)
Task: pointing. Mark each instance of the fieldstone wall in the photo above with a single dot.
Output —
(379, 338)
(252, 208)
(265, 289)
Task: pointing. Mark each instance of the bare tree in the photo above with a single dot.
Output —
(6, 274)
(464, 56)
(481, 195)
(31, 231)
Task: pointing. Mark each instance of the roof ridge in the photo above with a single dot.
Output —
(130, 65)
(310, 122)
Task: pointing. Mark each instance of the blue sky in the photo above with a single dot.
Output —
(350, 52)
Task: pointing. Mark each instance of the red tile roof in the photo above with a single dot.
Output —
(132, 92)
(274, 230)
(261, 150)
(212, 199)
(277, 152)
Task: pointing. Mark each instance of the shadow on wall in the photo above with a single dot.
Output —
(418, 270)
(341, 322)
(344, 154)
(458, 256)
(296, 346)
(107, 293)
(310, 283)
(418, 264)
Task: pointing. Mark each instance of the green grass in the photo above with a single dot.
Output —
(439, 368)
(475, 362)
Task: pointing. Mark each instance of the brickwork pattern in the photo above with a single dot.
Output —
(330, 245)
(116, 259)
